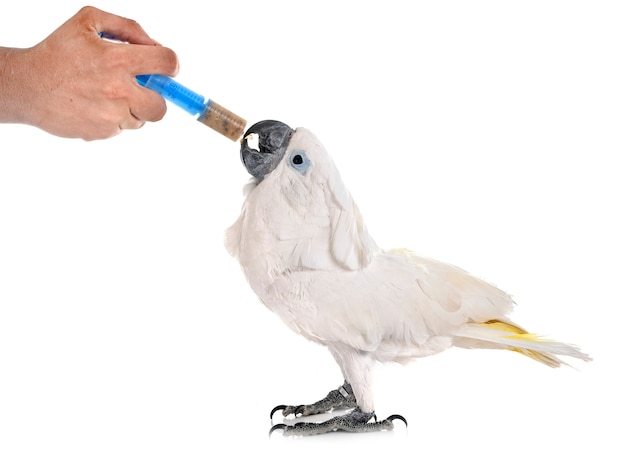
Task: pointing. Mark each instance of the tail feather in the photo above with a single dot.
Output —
(504, 335)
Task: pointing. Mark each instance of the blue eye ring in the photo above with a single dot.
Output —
(299, 161)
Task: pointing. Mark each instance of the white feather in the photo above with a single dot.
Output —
(306, 253)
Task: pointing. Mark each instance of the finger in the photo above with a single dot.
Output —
(144, 59)
(131, 122)
(147, 105)
(123, 29)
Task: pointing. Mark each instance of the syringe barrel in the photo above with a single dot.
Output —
(176, 93)
(223, 121)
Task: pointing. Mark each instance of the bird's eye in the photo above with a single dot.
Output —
(299, 161)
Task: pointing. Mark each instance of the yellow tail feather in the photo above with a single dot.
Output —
(517, 333)
(511, 337)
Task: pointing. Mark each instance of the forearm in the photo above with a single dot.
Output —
(15, 75)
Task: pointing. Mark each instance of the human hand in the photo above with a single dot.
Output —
(75, 84)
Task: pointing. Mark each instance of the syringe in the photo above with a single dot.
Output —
(211, 113)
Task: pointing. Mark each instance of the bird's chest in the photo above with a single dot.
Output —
(292, 300)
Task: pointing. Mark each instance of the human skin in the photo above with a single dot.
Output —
(75, 84)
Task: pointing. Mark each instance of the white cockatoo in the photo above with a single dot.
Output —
(306, 253)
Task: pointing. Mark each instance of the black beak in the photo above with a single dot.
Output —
(273, 139)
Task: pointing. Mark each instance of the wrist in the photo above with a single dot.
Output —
(16, 74)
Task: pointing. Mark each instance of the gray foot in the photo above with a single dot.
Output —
(342, 398)
(355, 421)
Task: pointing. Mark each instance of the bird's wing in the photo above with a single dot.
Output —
(399, 306)
(350, 242)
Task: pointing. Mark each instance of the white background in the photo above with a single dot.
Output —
(489, 134)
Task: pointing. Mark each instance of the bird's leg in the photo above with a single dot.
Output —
(343, 397)
(355, 421)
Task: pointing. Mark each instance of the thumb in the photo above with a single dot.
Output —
(120, 28)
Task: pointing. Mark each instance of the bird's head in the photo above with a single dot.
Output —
(302, 194)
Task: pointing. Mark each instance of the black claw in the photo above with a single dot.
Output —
(397, 417)
(277, 426)
(355, 421)
(298, 410)
(275, 409)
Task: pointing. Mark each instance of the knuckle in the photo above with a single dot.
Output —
(87, 10)
(170, 60)
(159, 110)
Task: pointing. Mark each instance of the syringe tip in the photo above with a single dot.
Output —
(223, 121)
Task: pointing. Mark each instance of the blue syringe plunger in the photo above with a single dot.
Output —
(176, 93)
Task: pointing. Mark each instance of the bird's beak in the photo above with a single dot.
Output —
(263, 146)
